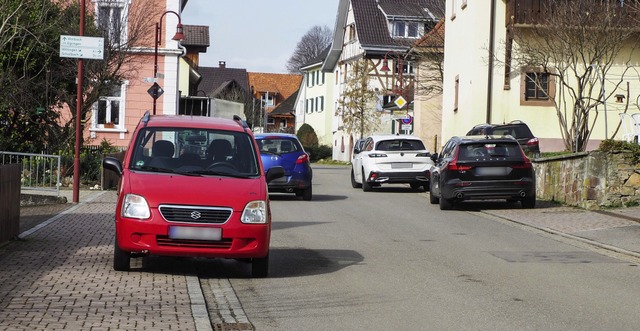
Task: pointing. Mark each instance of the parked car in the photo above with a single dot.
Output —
(480, 168)
(391, 159)
(192, 186)
(516, 129)
(285, 150)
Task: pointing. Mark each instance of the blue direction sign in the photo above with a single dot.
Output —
(81, 47)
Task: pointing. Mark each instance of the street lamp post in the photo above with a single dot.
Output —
(399, 68)
(178, 36)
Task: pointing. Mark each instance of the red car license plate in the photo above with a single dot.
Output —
(195, 233)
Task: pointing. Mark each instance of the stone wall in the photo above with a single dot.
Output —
(590, 180)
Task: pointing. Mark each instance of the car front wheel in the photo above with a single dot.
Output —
(121, 259)
(260, 267)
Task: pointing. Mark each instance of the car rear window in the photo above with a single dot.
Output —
(487, 151)
(278, 145)
(400, 145)
(517, 131)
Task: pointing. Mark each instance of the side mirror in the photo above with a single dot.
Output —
(274, 173)
(434, 157)
(112, 164)
(356, 150)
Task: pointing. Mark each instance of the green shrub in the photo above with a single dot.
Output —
(319, 152)
(611, 145)
(307, 136)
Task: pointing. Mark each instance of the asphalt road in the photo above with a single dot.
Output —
(388, 260)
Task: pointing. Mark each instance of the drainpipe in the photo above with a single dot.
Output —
(491, 60)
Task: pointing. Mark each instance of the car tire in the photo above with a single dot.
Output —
(417, 187)
(260, 267)
(366, 187)
(121, 259)
(528, 202)
(433, 199)
(445, 204)
(307, 194)
(354, 184)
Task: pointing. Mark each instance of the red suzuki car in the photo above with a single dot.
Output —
(193, 186)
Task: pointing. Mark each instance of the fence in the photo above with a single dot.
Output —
(9, 201)
(38, 171)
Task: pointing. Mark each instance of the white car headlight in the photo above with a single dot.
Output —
(135, 206)
(255, 212)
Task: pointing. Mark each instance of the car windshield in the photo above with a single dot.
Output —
(193, 151)
(277, 146)
(400, 145)
(488, 151)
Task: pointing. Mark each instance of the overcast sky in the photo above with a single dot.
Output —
(257, 35)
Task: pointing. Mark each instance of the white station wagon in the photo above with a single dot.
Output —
(391, 159)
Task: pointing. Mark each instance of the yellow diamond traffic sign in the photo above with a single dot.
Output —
(400, 102)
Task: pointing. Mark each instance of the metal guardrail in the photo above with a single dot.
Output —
(39, 171)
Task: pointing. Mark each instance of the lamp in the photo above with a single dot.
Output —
(177, 37)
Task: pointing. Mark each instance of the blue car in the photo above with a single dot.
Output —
(283, 149)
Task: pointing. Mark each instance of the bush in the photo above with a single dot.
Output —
(307, 136)
(319, 152)
(611, 145)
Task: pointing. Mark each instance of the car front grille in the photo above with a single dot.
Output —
(166, 241)
(195, 214)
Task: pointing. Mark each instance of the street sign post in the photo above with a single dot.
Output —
(80, 47)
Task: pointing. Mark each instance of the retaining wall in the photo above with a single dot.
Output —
(590, 180)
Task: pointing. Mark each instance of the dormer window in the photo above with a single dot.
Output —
(406, 29)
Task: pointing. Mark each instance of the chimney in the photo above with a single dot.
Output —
(222, 64)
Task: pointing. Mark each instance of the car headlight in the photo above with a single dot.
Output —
(135, 206)
(255, 212)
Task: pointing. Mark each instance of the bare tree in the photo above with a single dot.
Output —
(316, 40)
(357, 106)
(575, 45)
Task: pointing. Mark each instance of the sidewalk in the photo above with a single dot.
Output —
(617, 230)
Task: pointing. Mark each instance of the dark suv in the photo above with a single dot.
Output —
(516, 129)
(482, 168)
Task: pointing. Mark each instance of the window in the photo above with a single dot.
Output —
(112, 20)
(537, 88)
(319, 104)
(405, 29)
(109, 111)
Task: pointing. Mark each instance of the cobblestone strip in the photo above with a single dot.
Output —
(61, 277)
(227, 313)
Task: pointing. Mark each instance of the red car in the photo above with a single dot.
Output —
(193, 186)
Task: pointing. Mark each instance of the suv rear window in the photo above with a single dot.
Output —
(516, 131)
(491, 150)
(400, 145)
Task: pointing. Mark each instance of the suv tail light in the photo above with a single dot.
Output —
(302, 158)
(532, 141)
(454, 166)
(526, 164)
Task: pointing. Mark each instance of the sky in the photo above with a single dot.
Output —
(256, 35)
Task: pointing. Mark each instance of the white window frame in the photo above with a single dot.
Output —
(121, 126)
(123, 5)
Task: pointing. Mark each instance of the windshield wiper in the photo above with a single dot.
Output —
(219, 173)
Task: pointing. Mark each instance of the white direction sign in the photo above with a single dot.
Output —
(82, 47)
